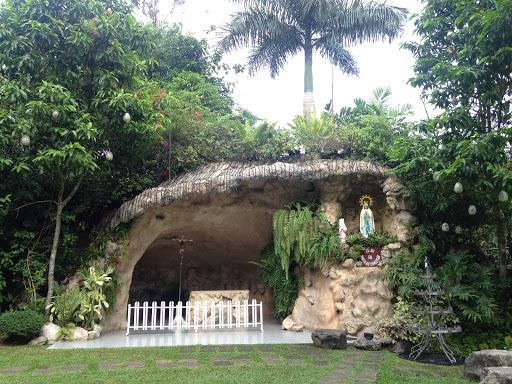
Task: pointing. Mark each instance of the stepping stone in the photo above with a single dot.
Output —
(73, 368)
(245, 349)
(241, 357)
(43, 371)
(190, 365)
(360, 376)
(330, 381)
(226, 349)
(219, 359)
(165, 364)
(207, 349)
(244, 362)
(273, 362)
(49, 367)
(270, 357)
(267, 349)
(354, 354)
(187, 361)
(346, 364)
(133, 362)
(371, 367)
(187, 350)
(295, 361)
(222, 363)
(108, 366)
(398, 372)
(292, 357)
(135, 366)
(340, 373)
(12, 369)
(320, 362)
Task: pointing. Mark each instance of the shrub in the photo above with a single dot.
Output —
(376, 239)
(21, 323)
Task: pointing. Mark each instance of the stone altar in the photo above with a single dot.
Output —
(217, 297)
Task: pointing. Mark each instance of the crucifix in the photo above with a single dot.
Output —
(182, 241)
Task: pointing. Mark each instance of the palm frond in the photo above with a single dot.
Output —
(337, 55)
(355, 22)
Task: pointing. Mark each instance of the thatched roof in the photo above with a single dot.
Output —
(227, 177)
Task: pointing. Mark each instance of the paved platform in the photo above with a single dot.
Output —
(273, 334)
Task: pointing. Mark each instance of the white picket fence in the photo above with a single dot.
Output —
(198, 315)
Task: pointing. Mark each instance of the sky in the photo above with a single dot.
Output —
(280, 99)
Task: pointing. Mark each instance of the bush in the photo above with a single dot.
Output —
(21, 323)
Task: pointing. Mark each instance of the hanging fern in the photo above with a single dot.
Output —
(304, 237)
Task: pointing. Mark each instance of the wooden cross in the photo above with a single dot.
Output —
(182, 241)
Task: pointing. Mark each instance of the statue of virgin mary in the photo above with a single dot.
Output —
(366, 220)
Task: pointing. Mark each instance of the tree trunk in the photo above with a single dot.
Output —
(53, 254)
(56, 236)
(309, 100)
(502, 251)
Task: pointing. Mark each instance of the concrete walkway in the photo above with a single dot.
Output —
(273, 335)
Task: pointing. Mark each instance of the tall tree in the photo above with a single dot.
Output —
(280, 29)
(464, 66)
(69, 80)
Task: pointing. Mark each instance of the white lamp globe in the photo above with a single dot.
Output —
(55, 115)
(458, 230)
(503, 196)
(25, 140)
(472, 210)
(109, 156)
(445, 227)
(126, 117)
(458, 188)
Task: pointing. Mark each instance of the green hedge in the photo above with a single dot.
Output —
(21, 323)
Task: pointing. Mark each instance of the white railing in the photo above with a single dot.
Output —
(198, 315)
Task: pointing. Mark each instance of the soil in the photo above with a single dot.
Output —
(433, 358)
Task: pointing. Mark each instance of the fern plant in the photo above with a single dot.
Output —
(284, 285)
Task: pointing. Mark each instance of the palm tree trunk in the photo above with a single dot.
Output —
(309, 100)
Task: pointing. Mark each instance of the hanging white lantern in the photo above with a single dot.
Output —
(55, 115)
(445, 227)
(126, 117)
(441, 146)
(25, 140)
(109, 156)
(458, 188)
(503, 196)
(458, 230)
(472, 210)
(4, 67)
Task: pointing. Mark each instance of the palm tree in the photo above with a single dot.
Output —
(279, 29)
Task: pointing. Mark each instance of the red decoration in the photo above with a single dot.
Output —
(371, 256)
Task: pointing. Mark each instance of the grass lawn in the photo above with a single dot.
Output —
(282, 364)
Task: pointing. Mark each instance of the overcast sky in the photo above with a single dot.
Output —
(280, 99)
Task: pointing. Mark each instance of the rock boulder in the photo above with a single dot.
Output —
(498, 375)
(367, 345)
(476, 362)
(50, 331)
(330, 338)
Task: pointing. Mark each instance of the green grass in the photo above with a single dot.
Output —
(259, 372)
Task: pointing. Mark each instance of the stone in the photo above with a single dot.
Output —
(330, 338)
(367, 345)
(399, 347)
(41, 340)
(80, 334)
(476, 362)
(95, 333)
(355, 301)
(497, 375)
(50, 330)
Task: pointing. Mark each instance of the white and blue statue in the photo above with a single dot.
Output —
(366, 220)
